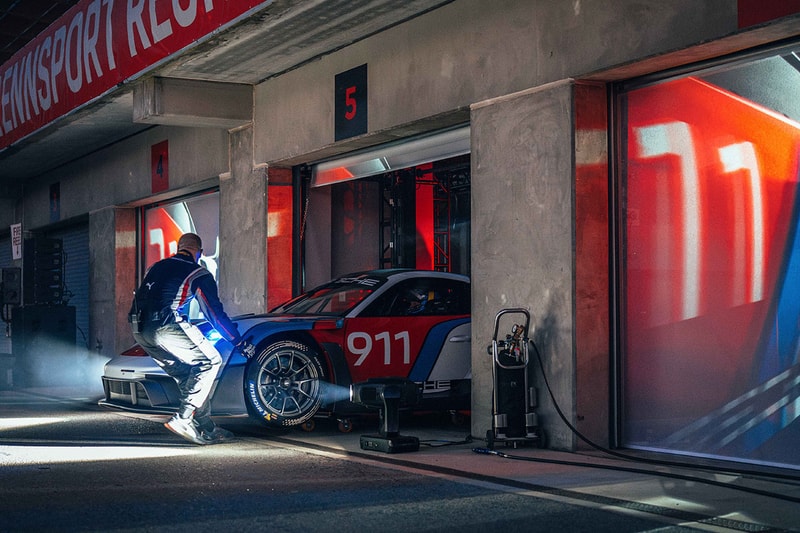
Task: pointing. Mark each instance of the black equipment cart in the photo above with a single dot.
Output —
(514, 420)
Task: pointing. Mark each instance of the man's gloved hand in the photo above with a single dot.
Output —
(245, 348)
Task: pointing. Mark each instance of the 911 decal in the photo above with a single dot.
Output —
(360, 344)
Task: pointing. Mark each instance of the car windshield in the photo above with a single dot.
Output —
(336, 298)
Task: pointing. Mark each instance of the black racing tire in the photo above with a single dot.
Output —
(283, 383)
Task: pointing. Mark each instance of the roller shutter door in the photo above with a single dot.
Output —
(5, 261)
(76, 276)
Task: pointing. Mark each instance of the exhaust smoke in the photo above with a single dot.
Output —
(50, 362)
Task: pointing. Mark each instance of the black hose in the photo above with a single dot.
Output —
(644, 460)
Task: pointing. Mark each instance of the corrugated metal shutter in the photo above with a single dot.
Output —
(5, 252)
(76, 276)
(5, 261)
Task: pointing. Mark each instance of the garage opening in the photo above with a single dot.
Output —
(405, 205)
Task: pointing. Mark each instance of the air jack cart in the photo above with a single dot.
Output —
(513, 398)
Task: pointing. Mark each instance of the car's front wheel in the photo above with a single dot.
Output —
(282, 384)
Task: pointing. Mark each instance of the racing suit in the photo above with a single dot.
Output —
(159, 316)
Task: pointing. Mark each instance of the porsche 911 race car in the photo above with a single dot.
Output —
(395, 323)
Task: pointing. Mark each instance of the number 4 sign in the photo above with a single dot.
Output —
(351, 103)
(159, 167)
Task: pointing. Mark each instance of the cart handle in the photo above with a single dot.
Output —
(510, 310)
(494, 352)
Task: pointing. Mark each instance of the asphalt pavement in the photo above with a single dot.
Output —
(637, 492)
(712, 496)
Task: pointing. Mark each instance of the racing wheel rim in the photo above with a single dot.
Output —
(285, 388)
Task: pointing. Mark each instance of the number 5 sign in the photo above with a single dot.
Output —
(351, 103)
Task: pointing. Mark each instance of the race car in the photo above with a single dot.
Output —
(392, 323)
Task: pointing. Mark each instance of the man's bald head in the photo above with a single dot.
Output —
(190, 242)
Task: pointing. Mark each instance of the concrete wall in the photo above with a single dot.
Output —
(120, 174)
(112, 277)
(466, 52)
(243, 229)
(7, 212)
(523, 240)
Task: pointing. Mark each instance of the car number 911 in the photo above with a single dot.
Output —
(360, 344)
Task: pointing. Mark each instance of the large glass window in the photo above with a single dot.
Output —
(711, 262)
(165, 223)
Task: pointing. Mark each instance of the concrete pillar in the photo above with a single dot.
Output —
(592, 287)
(523, 242)
(243, 229)
(7, 211)
(112, 278)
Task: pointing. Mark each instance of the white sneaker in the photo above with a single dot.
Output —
(184, 428)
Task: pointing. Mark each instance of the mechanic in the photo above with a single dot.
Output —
(160, 324)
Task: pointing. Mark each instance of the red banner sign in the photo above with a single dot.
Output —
(96, 45)
(752, 12)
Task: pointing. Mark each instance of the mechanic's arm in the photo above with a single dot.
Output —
(205, 291)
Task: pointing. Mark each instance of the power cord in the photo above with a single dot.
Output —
(434, 443)
(640, 459)
(643, 460)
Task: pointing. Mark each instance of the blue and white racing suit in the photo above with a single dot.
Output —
(179, 347)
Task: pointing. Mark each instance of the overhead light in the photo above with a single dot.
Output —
(392, 157)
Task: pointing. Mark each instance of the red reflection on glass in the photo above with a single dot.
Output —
(711, 186)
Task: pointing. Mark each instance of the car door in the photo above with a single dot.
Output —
(414, 326)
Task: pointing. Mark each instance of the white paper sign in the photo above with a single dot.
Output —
(16, 241)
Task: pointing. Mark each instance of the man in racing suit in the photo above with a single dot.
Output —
(160, 324)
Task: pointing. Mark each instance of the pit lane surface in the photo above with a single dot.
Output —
(68, 465)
